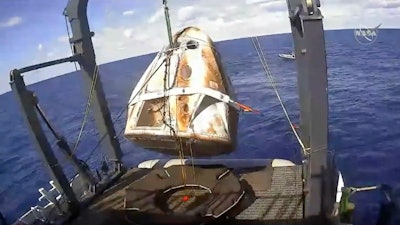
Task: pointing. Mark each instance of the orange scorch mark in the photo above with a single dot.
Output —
(216, 122)
(211, 129)
(184, 73)
(212, 77)
(182, 101)
(182, 112)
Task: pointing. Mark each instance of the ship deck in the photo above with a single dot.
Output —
(278, 199)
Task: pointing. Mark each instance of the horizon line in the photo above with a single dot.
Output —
(154, 52)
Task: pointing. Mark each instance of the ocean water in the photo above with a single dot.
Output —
(364, 97)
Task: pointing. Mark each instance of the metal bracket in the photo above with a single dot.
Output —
(304, 7)
(311, 6)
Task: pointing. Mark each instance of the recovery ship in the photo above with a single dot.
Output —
(184, 105)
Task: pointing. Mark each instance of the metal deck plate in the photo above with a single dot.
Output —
(279, 200)
(283, 200)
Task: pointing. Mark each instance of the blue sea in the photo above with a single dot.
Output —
(364, 97)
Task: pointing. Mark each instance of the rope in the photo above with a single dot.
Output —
(192, 158)
(86, 115)
(258, 48)
(166, 73)
(169, 125)
(88, 103)
(117, 118)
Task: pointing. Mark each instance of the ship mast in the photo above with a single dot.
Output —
(309, 42)
(83, 53)
(82, 45)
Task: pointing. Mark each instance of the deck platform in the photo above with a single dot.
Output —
(277, 198)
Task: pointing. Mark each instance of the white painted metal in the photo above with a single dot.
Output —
(149, 164)
(54, 203)
(339, 188)
(335, 214)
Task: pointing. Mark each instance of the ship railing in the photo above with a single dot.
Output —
(54, 203)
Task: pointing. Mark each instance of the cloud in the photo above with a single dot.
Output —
(220, 21)
(45, 51)
(128, 13)
(44, 55)
(13, 21)
(128, 32)
(256, 1)
(186, 12)
(224, 21)
(50, 54)
(156, 16)
(63, 39)
(119, 39)
(384, 4)
(274, 5)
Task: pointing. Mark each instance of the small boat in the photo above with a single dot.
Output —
(288, 56)
(182, 101)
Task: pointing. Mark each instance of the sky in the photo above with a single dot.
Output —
(34, 31)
